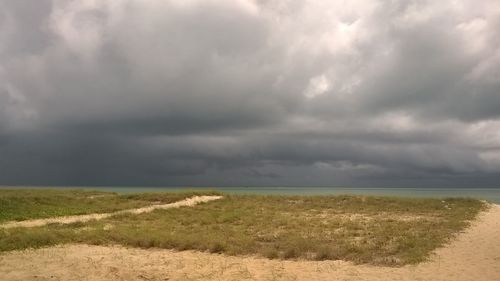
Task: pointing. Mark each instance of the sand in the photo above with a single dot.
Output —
(83, 218)
(473, 255)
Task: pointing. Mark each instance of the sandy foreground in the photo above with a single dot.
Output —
(473, 255)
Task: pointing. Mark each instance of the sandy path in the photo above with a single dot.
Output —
(474, 256)
(83, 218)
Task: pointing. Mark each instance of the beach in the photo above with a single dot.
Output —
(250, 140)
(473, 254)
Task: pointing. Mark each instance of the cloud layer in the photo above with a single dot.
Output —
(250, 92)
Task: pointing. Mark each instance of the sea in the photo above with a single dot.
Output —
(489, 194)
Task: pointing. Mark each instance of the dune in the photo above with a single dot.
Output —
(472, 255)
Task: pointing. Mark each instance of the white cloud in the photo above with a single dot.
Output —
(80, 25)
(318, 85)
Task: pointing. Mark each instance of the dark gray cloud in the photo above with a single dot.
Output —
(247, 92)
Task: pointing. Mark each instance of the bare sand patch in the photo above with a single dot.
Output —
(368, 217)
(472, 255)
(83, 218)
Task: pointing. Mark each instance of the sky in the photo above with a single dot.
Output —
(358, 93)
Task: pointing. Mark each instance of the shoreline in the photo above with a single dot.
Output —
(491, 195)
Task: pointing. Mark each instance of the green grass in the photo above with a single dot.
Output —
(374, 230)
(23, 204)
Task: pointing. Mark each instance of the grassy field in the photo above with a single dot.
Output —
(23, 204)
(374, 230)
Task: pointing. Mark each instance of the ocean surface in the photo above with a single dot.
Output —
(488, 194)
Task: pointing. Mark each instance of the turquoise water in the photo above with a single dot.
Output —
(489, 194)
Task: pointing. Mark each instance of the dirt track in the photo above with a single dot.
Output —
(83, 218)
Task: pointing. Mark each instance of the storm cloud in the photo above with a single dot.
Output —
(250, 92)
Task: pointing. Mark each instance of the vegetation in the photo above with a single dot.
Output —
(23, 204)
(375, 230)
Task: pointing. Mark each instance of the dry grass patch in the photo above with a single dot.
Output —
(375, 230)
